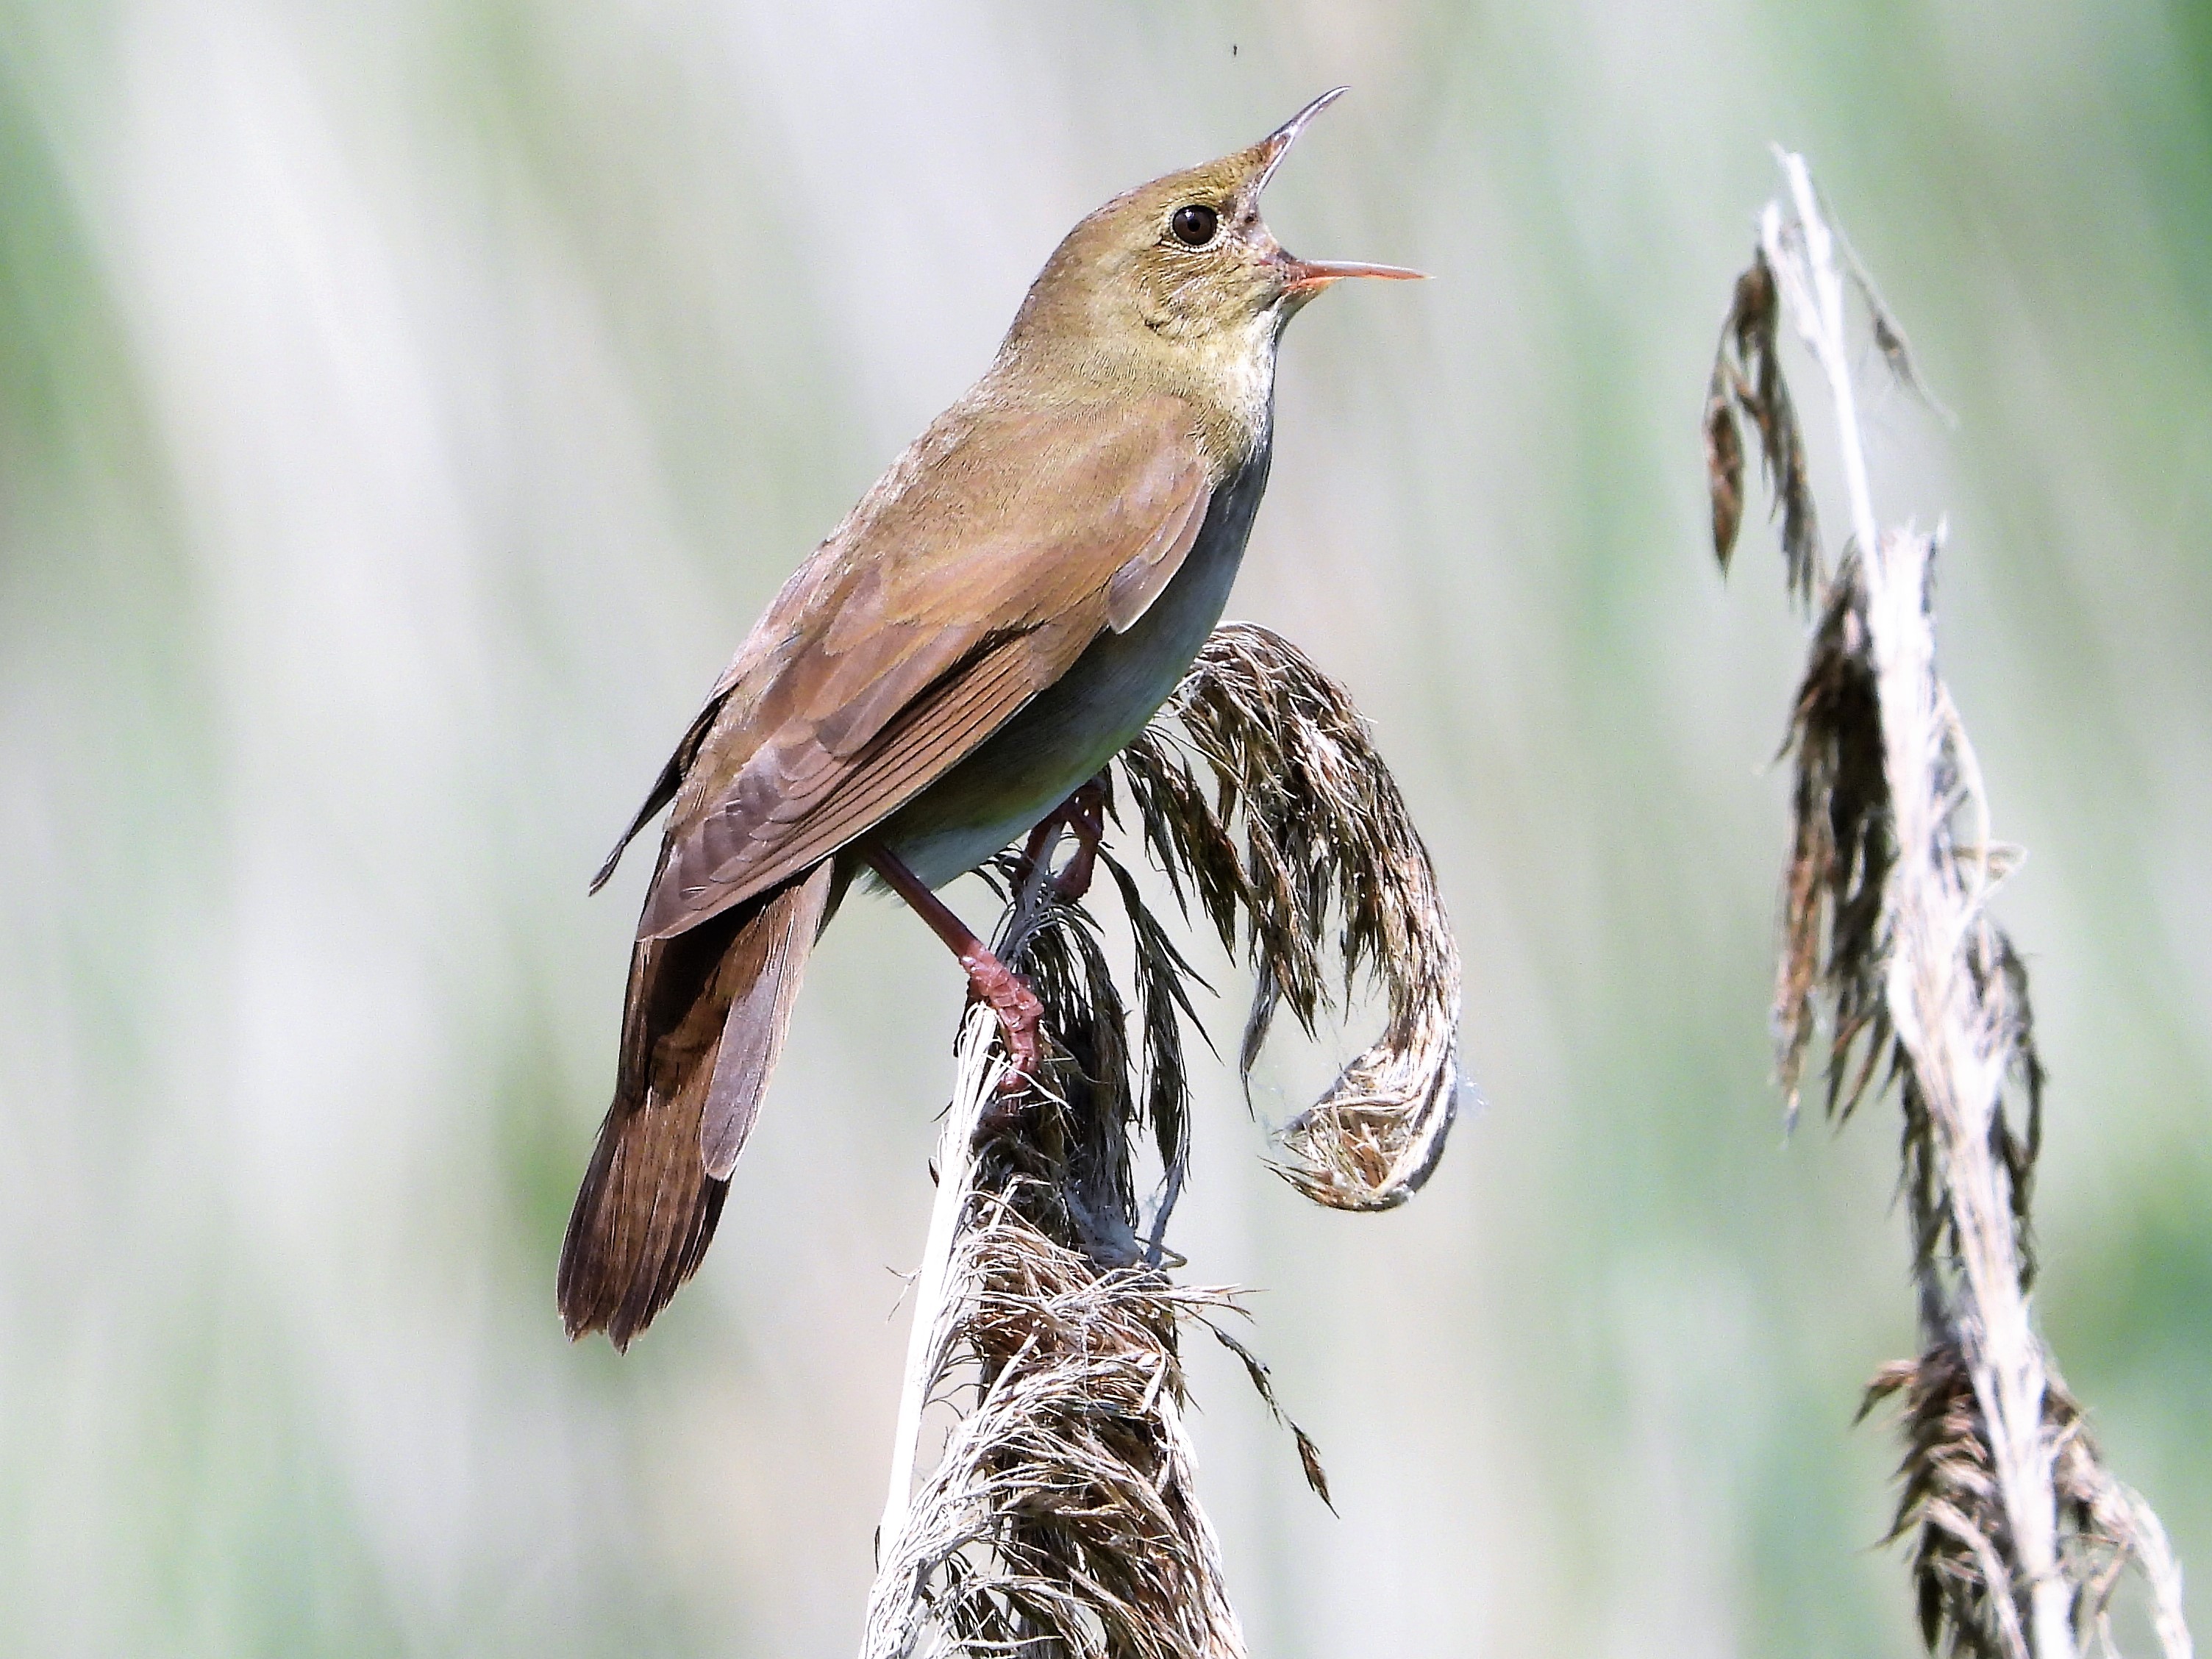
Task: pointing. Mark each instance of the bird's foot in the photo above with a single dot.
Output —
(1085, 817)
(1005, 993)
(1083, 813)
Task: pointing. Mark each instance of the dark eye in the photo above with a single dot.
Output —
(1194, 225)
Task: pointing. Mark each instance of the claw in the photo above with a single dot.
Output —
(1000, 989)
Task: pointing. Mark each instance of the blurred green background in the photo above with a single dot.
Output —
(405, 408)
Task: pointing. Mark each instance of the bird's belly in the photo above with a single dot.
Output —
(1065, 736)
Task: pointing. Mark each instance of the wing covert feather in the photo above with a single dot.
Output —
(967, 581)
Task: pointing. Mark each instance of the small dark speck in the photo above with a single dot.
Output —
(1232, 48)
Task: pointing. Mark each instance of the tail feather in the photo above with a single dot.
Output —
(703, 1025)
(752, 1036)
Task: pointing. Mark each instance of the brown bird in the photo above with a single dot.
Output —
(998, 616)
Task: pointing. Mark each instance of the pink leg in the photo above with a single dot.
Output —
(1083, 812)
(990, 982)
(1038, 844)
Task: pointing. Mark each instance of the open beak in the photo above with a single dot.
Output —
(1306, 278)
(1311, 275)
(1277, 144)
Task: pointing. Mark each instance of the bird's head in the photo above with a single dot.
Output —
(1183, 271)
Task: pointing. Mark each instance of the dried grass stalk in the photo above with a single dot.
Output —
(2019, 1532)
(1060, 1518)
(1950, 1501)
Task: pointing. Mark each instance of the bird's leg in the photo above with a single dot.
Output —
(1083, 812)
(990, 982)
(1035, 848)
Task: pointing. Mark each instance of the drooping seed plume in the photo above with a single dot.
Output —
(1061, 1516)
(1305, 860)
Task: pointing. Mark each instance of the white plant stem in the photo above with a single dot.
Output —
(1947, 1028)
(978, 1072)
(960, 1501)
(1816, 290)
(1957, 1059)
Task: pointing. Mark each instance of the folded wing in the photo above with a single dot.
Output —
(967, 583)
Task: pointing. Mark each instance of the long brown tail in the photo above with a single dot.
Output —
(702, 1026)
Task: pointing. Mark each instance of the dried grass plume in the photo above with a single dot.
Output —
(2019, 1533)
(1061, 1517)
